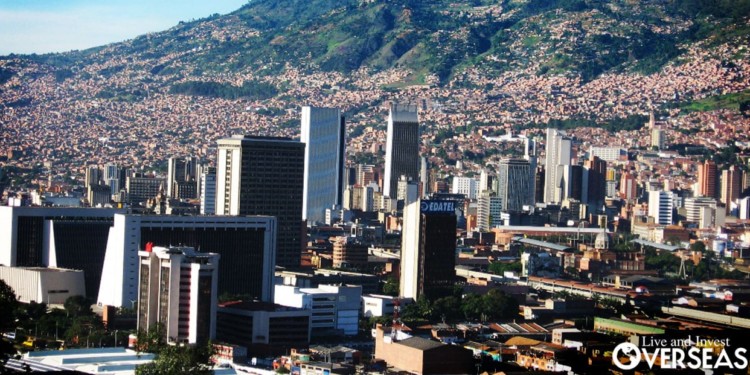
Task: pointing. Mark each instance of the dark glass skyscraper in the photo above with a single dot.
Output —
(402, 147)
(428, 249)
(264, 176)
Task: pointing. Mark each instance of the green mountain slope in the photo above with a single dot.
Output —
(441, 37)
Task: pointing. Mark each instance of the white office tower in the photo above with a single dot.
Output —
(208, 192)
(402, 147)
(323, 133)
(424, 177)
(467, 186)
(407, 191)
(558, 156)
(489, 211)
(178, 288)
(660, 206)
(530, 154)
(744, 209)
(515, 186)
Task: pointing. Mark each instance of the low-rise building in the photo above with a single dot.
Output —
(422, 356)
(263, 328)
(335, 308)
(43, 285)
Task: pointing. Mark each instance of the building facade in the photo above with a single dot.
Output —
(178, 289)
(246, 245)
(323, 133)
(515, 184)
(428, 249)
(264, 176)
(402, 147)
(558, 156)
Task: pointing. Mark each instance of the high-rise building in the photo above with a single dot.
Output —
(660, 206)
(181, 178)
(428, 249)
(707, 180)
(208, 192)
(264, 176)
(141, 189)
(468, 186)
(514, 184)
(402, 147)
(489, 210)
(178, 289)
(594, 174)
(731, 185)
(407, 190)
(628, 186)
(558, 157)
(424, 177)
(694, 206)
(246, 245)
(658, 138)
(93, 176)
(323, 134)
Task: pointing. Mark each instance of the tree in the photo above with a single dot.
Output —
(499, 268)
(77, 306)
(391, 287)
(8, 307)
(447, 308)
(174, 359)
(698, 246)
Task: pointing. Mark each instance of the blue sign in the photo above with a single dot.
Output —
(437, 206)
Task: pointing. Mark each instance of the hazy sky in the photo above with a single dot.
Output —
(40, 26)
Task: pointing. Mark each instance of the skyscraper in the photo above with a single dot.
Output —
(177, 288)
(731, 185)
(594, 175)
(428, 249)
(558, 156)
(323, 134)
(707, 180)
(515, 184)
(208, 192)
(402, 147)
(264, 176)
(181, 178)
(660, 206)
(628, 186)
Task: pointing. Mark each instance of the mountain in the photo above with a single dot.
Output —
(585, 37)
(508, 65)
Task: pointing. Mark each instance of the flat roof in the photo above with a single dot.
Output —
(657, 245)
(544, 244)
(420, 343)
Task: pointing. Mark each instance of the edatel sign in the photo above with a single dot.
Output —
(431, 207)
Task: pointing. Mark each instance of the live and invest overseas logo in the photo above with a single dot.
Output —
(691, 352)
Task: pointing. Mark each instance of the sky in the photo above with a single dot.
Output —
(42, 26)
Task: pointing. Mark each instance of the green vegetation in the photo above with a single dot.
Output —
(735, 101)
(632, 122)
(249, 89)
(498, 268)
(495, 305)
(171, 359)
